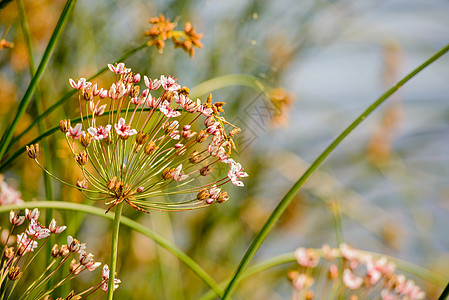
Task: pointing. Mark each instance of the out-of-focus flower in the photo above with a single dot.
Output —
(4, 44)
(282, 101)
(8, 195)
(362, 275)
(166, 145)
(105, 276)
(163, 29)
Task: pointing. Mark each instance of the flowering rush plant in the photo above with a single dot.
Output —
(133, 145)
(20, 250)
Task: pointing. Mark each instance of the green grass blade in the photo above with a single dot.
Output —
(6, 139)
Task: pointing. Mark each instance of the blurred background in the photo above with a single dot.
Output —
(318, 65)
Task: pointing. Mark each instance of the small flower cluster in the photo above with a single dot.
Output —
(8, 195)
(17, 258)
(4, 44)
(355, 274)
(163, 29)
(136, 146)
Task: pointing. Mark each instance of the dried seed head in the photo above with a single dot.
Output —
(222, 197)
(142, 138)
(209, 98)
(194, 157)
(150, 148)
(9, 253)
(135, 91)
(202, 136)
(203, 194)
(85, 139)
(81, 158)
(14, 273)
(167, 173)
(55, 251)
(206, 170)
(64, 125)
(33, 150)
(219, 106)
(82, 183)
(75, 268)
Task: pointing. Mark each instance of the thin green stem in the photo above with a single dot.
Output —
(6, 139)
(114, 245)
(39, 102)
(280, 208)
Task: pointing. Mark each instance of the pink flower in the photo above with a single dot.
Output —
(82, 83)
(348, 252)
(236, 172)
(105, 276)
(97, 111)
(178, 175)
(36, 230)
(307, 257)
(15, 219)
(88, 261)
(169, 83)
(8, 195)
(76, 132)
(205, 111)
(124, 130)
(168, 111)
(118, 68)
(216, 151)
(151, 84)
(32, 214)
(100, 132)
(214, 192)
(350, 280)
(54, 228)
(24, 242)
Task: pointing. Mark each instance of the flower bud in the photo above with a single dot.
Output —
(82, 183)
(222, 197)
(73, 296)
(85, 139)
(203, 194)
(167, 174)
(194, 157)
(81, 158)
(33, 150)
(14, 273)
(111, 184)
(9, 253)
(64, 251)
(201, 136)
(75, 268)
(141, 138)
(206, 170)
(55, 251)
(234, 132)
(150, 148)
(64, 125)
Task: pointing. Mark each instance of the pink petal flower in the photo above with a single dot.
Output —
(152, 84)
(124, 130)
(350, 280)
(15, 219)
(55, 228)
(169, 83)
(235, 173)
(118, 68)
(100, 132)
(8, 195)
(76, 132)
(82, 83)
(36, 230)
(32, 214)
(105, 276)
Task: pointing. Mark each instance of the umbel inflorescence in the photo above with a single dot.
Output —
(136, 146)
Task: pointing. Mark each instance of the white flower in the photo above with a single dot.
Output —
(100, 132)
(124, 130)
(55, 228)
(105, 275)
(236, 172)
(82, 83)
(168, 111)
(76, 132)
(169, 83)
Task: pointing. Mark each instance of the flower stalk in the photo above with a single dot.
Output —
(114, 246)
